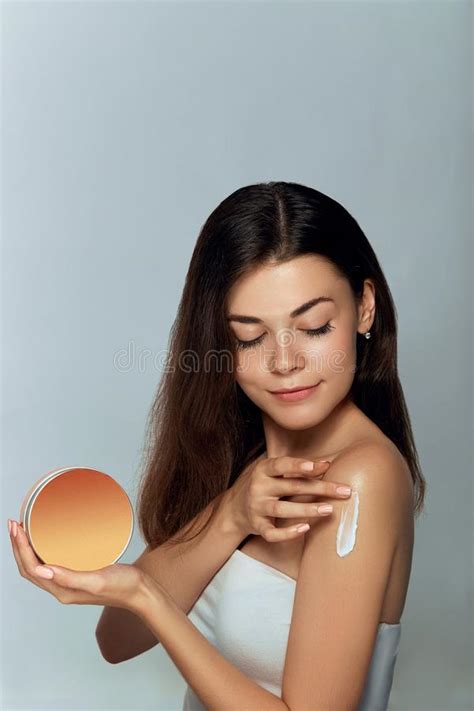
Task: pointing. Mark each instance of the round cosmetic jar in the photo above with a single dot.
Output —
(78, 518)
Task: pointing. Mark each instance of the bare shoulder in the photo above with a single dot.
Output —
(378, 472)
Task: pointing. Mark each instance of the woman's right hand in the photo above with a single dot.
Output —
(254, 496)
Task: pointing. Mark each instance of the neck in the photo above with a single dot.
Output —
(324, 439)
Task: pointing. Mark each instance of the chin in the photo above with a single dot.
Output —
(296, 421)
(296, 426)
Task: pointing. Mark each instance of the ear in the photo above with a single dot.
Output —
(366, 307)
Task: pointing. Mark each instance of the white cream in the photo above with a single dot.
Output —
(346, 533)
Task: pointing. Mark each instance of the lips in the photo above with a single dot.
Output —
(294, 394)
(293, 390)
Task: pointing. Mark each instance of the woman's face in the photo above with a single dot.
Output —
(270, 315)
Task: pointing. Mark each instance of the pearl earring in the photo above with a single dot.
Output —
(367, 334)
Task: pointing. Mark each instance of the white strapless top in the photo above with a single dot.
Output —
(245, 613)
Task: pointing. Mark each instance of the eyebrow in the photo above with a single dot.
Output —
(297, 312)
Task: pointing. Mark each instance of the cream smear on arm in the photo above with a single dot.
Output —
(346, 533)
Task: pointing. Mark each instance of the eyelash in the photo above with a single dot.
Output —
(312, 332)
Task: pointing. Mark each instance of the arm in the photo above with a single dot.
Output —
(340, 594)
(182, 570)
(218, 683)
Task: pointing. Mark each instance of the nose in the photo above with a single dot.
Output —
(285, 357)
(284, 367)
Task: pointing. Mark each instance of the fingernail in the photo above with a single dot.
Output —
(9, 526)
(44, 572)
(325, 508)
(14, 528)
(302, 527)
(307, 466)
(343, 489)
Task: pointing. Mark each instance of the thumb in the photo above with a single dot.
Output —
(62, 576)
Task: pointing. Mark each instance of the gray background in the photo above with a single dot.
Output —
(123, 126)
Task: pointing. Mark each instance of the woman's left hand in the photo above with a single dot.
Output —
(117, 585)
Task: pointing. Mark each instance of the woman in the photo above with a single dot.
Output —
(283, 292)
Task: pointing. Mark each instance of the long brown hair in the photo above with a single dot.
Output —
(202, 429)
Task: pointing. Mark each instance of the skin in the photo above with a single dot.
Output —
(287, 357)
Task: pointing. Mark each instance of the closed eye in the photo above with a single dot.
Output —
(312, 332)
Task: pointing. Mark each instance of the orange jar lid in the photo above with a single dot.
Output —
(77, 517)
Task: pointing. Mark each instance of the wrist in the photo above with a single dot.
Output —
(148, 593)
(232, 521)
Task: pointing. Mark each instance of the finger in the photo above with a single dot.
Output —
(27, 556)
(290, 509)
(61, 586)
(319, 469)
(77, 580)
(307, 486)
(16, 551)
(289, 487)
(272, 534)
(294, 466)
(331, 488)
(280, 466)
(69, 586)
